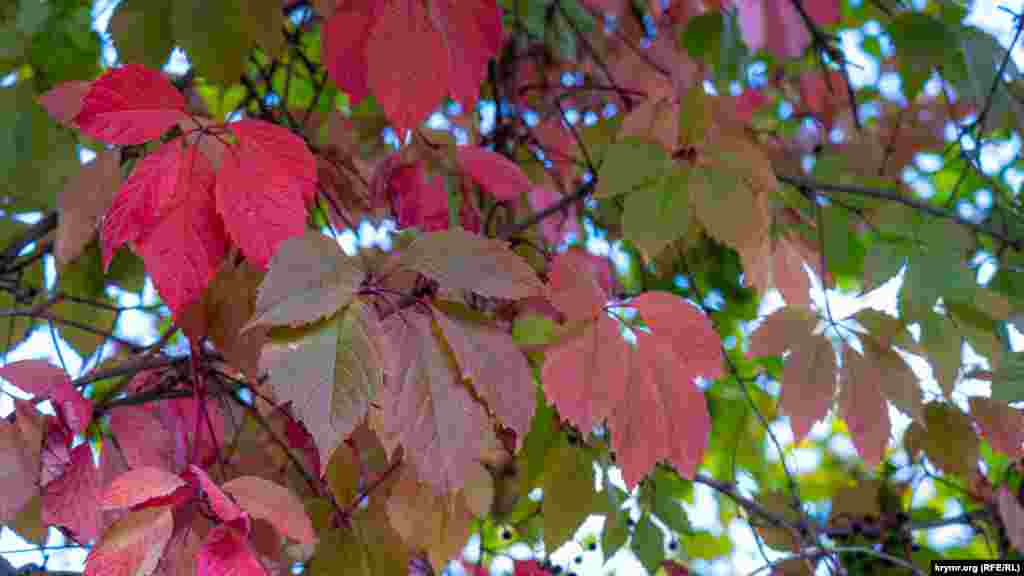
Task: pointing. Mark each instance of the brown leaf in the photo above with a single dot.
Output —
(1013, 517)
(309, 278)
(1001, 425)
(426, 407)
(20, 443)
(460, 260)
(273, 503)
(491, 360)
(330, 374)
(862, 406)
(229, 303)
(84, 200)
(439, 524)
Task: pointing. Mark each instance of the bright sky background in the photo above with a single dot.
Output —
(703, 514)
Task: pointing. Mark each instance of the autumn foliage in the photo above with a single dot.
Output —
(365, 412)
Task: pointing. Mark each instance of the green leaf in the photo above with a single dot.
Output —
(569, 489)
(658, 215)
(82, 280)
(844, 252)
(922, 43)
(539, 441)
(36, 155)
(142, 32)
(532, 329)
(65, 47)
(631, 164)
(983, 55)
(616, 525)
(658, 494)
(648, 544)
(715, 39)
(214, 36)
(1008, 379)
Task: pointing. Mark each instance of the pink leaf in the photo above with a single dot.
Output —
(273, 503)
(556, 226)
(44, 380)
(664, 415)
(138, 485)
(141, 437)
(72, 500)
(226, 553)
(499, 371)
(222, 505)
(130, 105)
(133, 546)
(64, 101)
(574, 288)
(586, 377)
(263, 187)
(773, 25)
(20, 445)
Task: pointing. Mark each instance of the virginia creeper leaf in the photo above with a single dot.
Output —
(437, 523)
(862, 406)
(73, 499)
(130, 105)
(330, 374)
(263, 186)
(273, 503)
(226, 552)
(142, 439)
(82, 204)
(460, 260)
(309, 277)
(133, 545)
(46, 381)
(425, 407)
(138, 485)
(498, 370)
(1002, 425)
(493, 172)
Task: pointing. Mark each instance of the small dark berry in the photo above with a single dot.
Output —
(506, 535)
(556, 570)
(592, 546)
(578, 559)
(673, 545)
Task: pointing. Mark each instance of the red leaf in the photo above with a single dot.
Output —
(824, 95)
(529, 568)
(44, 380)
(407, 64)
(133, 546)
(141, 437)
(664, 415)
(494, 173)
(64, 101)
(138, 485)
(343, 40)
(472, 32)
(227, 553)
(223, 506)
(263, 187)
(185, 246)
(72, 500)
(273, 503)
(130, 105)
(419, 203)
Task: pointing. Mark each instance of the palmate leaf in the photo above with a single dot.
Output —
(330, 374)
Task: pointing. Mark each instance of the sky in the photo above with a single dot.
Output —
(987, 14)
